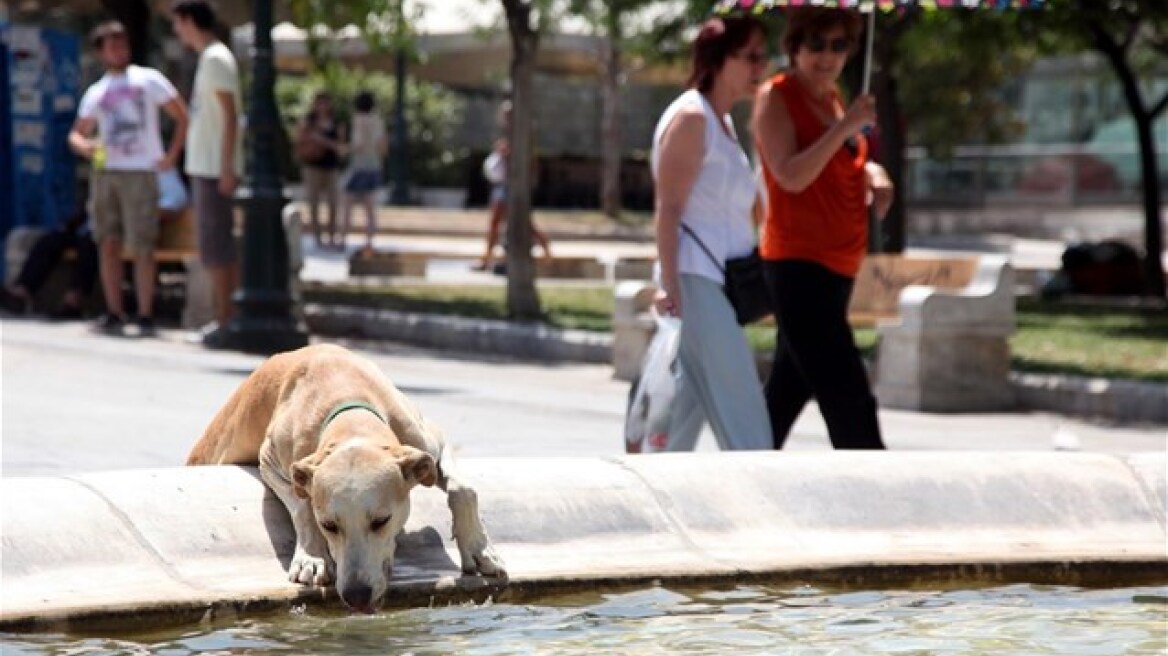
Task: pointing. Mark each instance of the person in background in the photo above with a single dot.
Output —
(819, 184)
(214, 156)
(495, 172)
(706, 192)
(44, 256)
(320, 143)
(367, 149)
(122, 108)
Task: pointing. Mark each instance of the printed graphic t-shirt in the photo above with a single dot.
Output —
(217, 71)
(125, 106)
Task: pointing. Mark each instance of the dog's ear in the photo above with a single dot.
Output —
(418, 466)
(302, 472)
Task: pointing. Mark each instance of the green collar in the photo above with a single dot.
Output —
(349, 405)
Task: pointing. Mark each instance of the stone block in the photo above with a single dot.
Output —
(634, 268)
(411, 264)
(585, 268)
(948, 351)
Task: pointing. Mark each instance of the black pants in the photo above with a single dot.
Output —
(47, 252)
(816, 356)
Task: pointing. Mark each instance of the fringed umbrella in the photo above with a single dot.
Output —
(869, 7)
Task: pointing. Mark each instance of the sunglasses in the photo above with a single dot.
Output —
(837, 45)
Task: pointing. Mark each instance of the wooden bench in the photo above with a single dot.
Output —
(881, 279)
(177, 240)
(178, 269)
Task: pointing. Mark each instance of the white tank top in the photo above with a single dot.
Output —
(719, 205)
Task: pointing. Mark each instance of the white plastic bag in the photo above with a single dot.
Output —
(495, 168)
(172, 193)
(651, 395)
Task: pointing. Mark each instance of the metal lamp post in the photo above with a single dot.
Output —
(264, 322)
(401, 175)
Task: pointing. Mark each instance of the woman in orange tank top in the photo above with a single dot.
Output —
(819, 183)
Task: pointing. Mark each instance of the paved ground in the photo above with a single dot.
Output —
(74, 402)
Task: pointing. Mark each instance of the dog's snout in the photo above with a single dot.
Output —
(358, 597)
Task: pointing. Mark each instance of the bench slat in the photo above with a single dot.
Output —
(882, 277)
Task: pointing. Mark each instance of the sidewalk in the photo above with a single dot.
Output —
(77, 402)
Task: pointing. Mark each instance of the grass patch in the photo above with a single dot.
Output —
(1052, 337)
(1091, 340)
(582, 308)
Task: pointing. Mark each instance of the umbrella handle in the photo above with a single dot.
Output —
(870, 33)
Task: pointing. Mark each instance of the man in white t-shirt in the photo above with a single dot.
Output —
(214, 154)
(122, 108)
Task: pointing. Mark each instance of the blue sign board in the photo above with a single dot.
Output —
(40, 76)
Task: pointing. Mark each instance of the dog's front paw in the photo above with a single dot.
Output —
(307, 569)
(479, 557)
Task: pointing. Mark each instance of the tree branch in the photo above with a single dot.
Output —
(1158, 107)
(1133, 30)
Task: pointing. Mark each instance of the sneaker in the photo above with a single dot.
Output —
(109, 324)
(215, 339)
(146, 327)
(196, 336)
(12, 303)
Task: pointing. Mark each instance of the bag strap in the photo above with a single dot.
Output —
(709, 254)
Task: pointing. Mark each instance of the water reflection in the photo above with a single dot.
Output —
(1018, 619)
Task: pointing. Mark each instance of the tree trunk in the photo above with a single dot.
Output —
(889, 117)
(891, 137)
(1153, 237)
(522, 298)
(1149, 170)
(610, 129)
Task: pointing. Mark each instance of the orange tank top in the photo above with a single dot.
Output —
(828, 221)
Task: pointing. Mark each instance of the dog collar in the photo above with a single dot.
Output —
(349, 405)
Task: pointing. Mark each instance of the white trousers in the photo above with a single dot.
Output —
(716, 375)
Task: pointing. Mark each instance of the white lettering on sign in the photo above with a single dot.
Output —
(24, 38)
(64, 103)
(32, 163)
(27, 101)
(29, 133)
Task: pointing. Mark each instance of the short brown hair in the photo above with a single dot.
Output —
(716, 41)
(806, 22)
(106, 29)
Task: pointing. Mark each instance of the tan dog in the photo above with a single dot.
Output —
(342, 448)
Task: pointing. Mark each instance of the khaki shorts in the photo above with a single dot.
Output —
(125, 208)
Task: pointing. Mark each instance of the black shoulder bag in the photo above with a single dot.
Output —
(745, 286)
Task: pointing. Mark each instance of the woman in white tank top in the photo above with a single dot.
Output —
(704, 182)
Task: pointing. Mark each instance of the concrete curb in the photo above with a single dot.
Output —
(528, 341)
(187, 541)
(1095, 397)
(1117, 400)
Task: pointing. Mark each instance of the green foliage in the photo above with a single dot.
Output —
(433, 113)
(386, 25)
(574, 307)
(950, 71)
(1064, 25)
